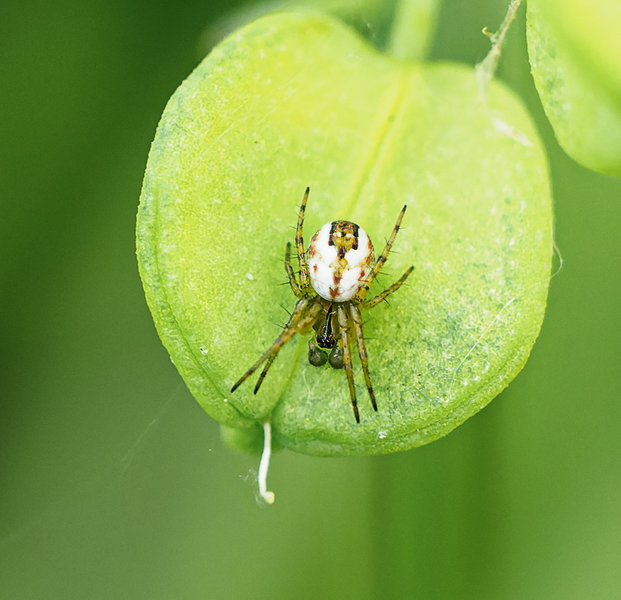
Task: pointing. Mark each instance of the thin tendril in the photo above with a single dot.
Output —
(486, 70)
(264, 464)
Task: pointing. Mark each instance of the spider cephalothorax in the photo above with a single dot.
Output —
(332, 288)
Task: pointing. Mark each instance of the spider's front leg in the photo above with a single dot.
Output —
(303, 317)
(347, 361)
(356, 319)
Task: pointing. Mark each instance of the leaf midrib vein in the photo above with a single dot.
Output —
(384, 127)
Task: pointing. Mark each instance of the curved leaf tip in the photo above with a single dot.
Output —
(575, 57)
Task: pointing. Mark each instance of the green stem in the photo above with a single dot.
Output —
(412, 29)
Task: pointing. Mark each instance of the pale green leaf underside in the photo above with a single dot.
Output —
(580, 83)
(590, 32)
(294, 100)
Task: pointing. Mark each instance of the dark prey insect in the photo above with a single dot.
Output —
(334, 278)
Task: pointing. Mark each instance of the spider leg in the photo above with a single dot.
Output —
(342, 315)
(360, 296)
(270, 360)
(303, 316)
(362, 350)
(266, 368)
(299, 243)
(393, 288)
(292, 281)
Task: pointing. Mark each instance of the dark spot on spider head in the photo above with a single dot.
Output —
(325, 331)
(343, 235)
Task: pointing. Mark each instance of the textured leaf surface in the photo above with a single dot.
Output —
(591, 32)
(291, 101)
(575, 55)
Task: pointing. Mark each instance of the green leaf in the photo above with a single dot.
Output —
(373, 19)
(575, 56)
(403, 27)
(291, 101)
(590, 31)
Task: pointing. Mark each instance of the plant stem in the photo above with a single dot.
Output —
(412, 28)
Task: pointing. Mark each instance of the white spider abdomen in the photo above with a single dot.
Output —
(340, 257)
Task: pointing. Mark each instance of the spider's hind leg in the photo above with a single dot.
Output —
(299, 244)
(389, 290)
(292, 280)
(361, 295)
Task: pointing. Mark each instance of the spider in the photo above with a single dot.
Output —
(334, 278)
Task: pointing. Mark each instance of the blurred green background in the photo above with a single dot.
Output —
(114, 483)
